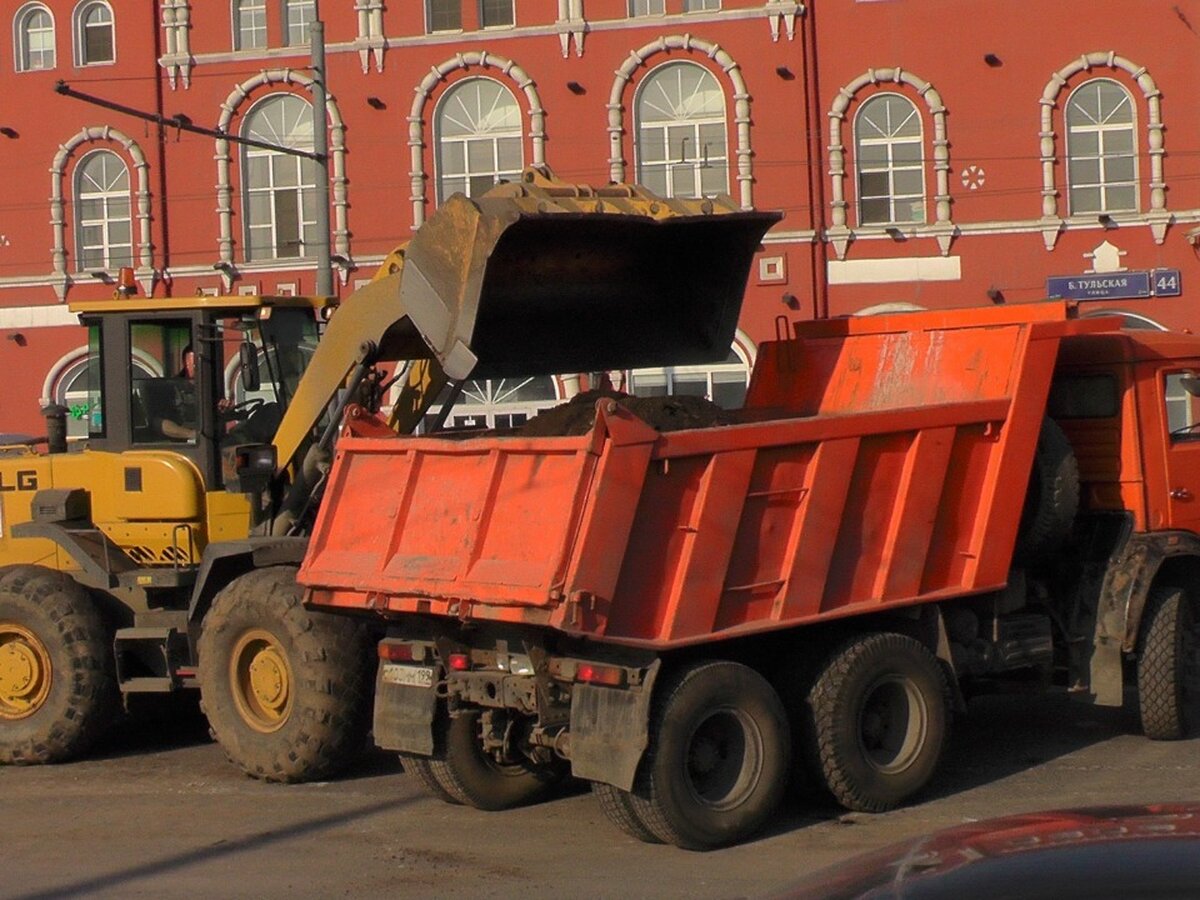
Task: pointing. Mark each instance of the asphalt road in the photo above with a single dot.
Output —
(158, 812)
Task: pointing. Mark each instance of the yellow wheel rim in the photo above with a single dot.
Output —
(25, 672)
(261, 680)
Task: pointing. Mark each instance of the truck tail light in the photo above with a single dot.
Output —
(394, 651)
(614, 676)
(459, 662)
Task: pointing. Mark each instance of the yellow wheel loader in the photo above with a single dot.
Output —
(161, 556)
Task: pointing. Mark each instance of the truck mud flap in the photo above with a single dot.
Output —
(404, 717)
(610, 731)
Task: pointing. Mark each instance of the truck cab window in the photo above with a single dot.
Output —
(1180, 390)
(163, 407)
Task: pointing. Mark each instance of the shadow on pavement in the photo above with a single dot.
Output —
(114, 881)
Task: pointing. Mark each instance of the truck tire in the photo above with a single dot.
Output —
(717, 764)
(287, 690)
(473, 777)
(58, 689)
(880, 713)
(1167, 676)
(421, 768)
(1052, 499)
(618, 807)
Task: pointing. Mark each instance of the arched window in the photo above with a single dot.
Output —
(95, 40)
(888, 145)
(1101, 156)
(34, 34)
(499, 402)
(723, 383)
(249, 24)
(103, 224)
(298, 16)
(681, 133)
(477, 128)
(279, 189)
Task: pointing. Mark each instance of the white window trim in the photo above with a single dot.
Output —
(429, 29)
(79, 33)
(235, 20)
(891, 168)
(20, 64)
(437, 137)
(739, 92)
(534, 114)
(658, 71)
(76, 201)
(1104, 185)
(299, 188)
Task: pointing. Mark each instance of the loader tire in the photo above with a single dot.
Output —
(717, 764)
(1168, 679)
(287, 690)
(880, 718)
(58, 690)
(1052, 499)
(473, 777)
(421, 768)
(618, 808)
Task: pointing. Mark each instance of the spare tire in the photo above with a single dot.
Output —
(1052, 499)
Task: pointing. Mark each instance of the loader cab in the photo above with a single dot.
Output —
(194, 376)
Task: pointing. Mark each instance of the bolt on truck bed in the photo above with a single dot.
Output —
(881, 463)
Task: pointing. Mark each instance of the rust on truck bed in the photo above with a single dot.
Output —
(890, 470)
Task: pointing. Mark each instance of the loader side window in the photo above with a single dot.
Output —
(163, 408)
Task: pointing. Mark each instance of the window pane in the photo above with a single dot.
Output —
(1118, 169)
(1085, 200)
(287, 224)
(906, 152)
(873, 184)
(872, 154)
(646, 8)
(875, 212)
(479, 156)
(284, 170)
(97, 44)
(509, 150)
(118, 207)
(653, 145)
(655, 180)
(90, 210)
(714, 180)
(908, 182)
(479, 184)
(453, 158)
(118, 232)
(910, 211)
(683, 181)
(729, 395)
(495, 12)
(1121, 198)
(1084, 171)
(1085, 143)
(445, 15)
(1120, 141)
(259, 208)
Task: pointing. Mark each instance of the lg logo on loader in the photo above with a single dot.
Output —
(27, 480)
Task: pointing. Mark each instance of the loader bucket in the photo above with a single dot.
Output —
(525, 281)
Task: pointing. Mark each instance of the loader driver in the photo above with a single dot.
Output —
(174, 401)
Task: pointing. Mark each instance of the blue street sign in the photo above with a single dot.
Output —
(1106, 286)
(1116, 285)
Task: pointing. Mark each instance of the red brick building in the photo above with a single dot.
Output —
(924, 152)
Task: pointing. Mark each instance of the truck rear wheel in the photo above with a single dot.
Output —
(286, 690)
(619, 809)
(718, 759)
(474, 777)
(421, 768)
(1168, 667)
(880, 717)
(57, 688)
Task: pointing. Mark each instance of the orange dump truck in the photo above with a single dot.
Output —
(908, 510)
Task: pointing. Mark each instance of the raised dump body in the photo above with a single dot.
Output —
(879, 463)
(907, 511)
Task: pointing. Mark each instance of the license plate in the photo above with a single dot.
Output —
(409, 676)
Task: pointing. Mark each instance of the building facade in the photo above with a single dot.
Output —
(924, 152)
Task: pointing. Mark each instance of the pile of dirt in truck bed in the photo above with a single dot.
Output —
(578, 415)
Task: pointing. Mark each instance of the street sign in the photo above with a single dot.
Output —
(1135, 285)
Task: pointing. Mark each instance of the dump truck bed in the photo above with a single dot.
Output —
(879, 463)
